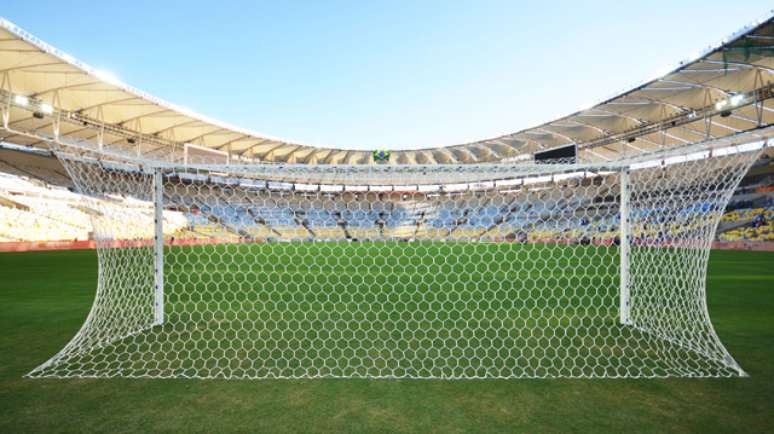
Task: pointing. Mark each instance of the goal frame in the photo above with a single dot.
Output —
(159, 172)
(158, 246)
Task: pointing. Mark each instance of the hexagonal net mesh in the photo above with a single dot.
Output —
(499, 271)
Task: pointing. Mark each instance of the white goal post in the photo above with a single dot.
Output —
(624, 226)
(594, 270)
(158, 245)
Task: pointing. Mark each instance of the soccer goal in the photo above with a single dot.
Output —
(389, 271)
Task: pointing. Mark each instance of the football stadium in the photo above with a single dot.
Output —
(604, 271)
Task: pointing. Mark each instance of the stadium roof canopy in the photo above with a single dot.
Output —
(723, 90)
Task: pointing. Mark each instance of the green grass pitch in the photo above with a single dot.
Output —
(46, 296)
(384, 309)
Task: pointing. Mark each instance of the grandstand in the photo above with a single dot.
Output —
(723, 91)
(749, 224)
(38, 203)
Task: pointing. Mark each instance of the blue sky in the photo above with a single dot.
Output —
(373, 74)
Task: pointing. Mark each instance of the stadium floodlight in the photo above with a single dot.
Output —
(46, 108)
(21, 100)
(228, 271)
(727, 104)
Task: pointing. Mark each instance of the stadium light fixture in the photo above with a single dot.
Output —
(727, 104)
(46, 108)
(21, 100)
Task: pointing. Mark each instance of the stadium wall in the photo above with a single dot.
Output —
(30, 246)
(744, 245)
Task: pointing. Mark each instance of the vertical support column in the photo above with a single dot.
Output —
(624, 248)
(158, 245)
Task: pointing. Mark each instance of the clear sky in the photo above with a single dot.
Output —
(382, 74)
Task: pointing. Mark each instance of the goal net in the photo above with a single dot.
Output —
(388, 271)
